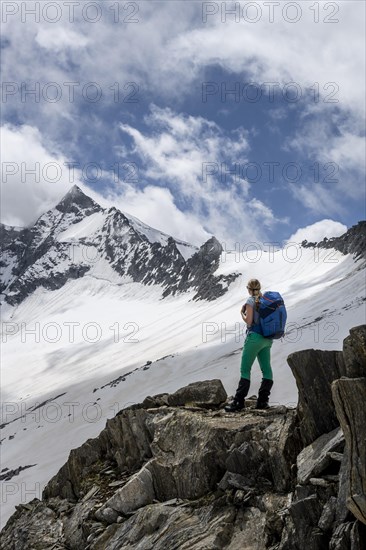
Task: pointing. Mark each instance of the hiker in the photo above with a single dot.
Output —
(255, 346)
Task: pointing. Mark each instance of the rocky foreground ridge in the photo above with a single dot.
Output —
(178, 472)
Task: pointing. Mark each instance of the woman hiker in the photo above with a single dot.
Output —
(255, 346)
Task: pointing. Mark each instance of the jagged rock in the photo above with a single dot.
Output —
(125, 439)
(315, 458)
(156, 401)
(138, 492)
(342, 512)
(328, 514)
(305, 515)
(178, 474)
(106, 514)
(136, 435)
(200, 394)
(223, 481)
(25, 526)
(350, 397)
(314, 371)
(265, 460)
(348, 536)
(74, 525)
(185, 454)
(354, 352)
(209, 527)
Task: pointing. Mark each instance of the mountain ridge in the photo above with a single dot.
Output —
(353, 241)
(39, 255)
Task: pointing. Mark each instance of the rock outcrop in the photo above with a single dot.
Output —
(178, 472)
(350, 400)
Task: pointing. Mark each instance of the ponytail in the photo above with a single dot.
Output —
(255, 287)
(257, 293)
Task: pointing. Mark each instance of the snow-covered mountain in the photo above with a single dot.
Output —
(99, 310)
(78, 236)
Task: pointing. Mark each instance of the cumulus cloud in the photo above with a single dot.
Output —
(317, 231)
(171, 45)
(193, 156)
(337, 160)
(188, 150)
(149, 203)
(60, 38)
(33, 178)
(169, 50)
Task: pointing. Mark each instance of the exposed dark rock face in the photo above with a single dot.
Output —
(314, 372)
(41, 256)
(178, 472)
(350, 400)
(351, 242)
(354, 352)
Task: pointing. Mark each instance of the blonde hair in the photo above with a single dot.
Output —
(254, 287)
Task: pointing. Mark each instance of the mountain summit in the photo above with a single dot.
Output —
(76, 199)
(79, 237)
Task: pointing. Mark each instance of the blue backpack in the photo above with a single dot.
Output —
(272, 315)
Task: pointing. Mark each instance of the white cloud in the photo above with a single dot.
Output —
(185, 150)
(316, 197)
(35, 175)
(26, 196)
(279, 113)
(60, 38)
(169, 50)
(317, 231)
(193, 156)
(336, 164)
(155, 206)
(304, 52)
(170, 47)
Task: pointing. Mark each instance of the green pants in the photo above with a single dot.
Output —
(256, 346)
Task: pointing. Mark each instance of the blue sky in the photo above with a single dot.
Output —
(293, 136)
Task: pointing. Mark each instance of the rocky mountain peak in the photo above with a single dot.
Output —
(76, 200)
(40, 256)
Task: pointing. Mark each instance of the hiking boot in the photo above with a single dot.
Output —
(238, 402)
(234, 406)
(262, 405)
(264, 393)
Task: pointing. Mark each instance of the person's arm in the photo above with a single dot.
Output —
(247, 314)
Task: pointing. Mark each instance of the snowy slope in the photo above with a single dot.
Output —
(84, 350)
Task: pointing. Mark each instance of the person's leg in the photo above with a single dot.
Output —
(247, 359)
(264, 359)
(252, 346)
(238, 402)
